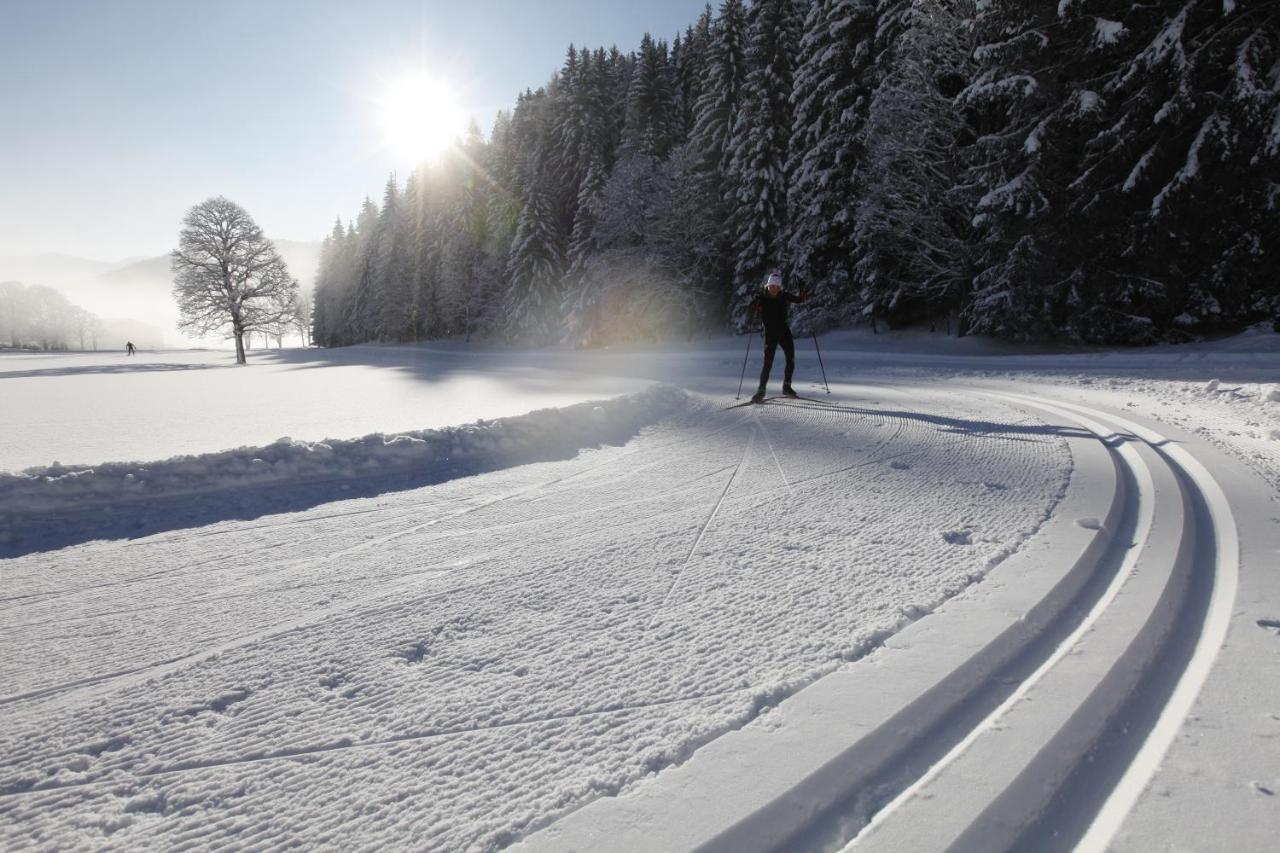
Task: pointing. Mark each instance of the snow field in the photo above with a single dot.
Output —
(464, 662)
(86, 409)
(433, 454)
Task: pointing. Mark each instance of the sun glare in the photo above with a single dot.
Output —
(420, 116)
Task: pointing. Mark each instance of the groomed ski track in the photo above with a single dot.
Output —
(1026, 707)
(1030, 715)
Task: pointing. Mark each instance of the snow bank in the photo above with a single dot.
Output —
(508, 441)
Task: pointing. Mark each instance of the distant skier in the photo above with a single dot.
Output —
(771, 307)
(129, 348)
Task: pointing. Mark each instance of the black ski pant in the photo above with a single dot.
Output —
(772, 338)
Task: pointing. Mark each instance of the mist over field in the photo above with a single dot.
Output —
(134, 296)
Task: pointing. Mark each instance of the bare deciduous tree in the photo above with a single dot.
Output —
(227, 274)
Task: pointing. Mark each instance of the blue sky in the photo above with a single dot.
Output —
(115, 117)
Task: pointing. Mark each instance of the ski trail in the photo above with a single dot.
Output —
(350, 608)
(220, 593)
(705, 525)
(764, 429)
(93, 685)
(992, 721)
(1213, 635)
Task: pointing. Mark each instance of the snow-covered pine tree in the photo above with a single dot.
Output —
(830, 96)
(534, 266)
(419, 234)
(1020, 287)
(716, 109)
(361, 306)
(534, 272)
(326, 310)
(487, 313)
(761, 132)
(913, 234)
(678, 122)
(464, 235)
(579, 287)
(691, 69)
(650, 104)
(1181, 177)
(617, 83)
(393, 312)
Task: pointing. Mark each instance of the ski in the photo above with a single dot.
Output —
(783, 398)
(753, 403)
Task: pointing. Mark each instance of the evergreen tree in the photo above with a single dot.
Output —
(329, 283)
(534, 272)
(830, 99)
(1179, 171)
(690, 71)
(913, 236)
(1017, 290)
(360, 306)
(392, 315)
(650, 104)
(716, 108)
(761, 132)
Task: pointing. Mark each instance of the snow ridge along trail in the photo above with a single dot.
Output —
(989, 737)
(66, 504)
(441, 665)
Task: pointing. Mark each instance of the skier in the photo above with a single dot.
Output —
(771, 308)
(129, 348)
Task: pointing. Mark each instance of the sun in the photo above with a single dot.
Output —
(420, 116)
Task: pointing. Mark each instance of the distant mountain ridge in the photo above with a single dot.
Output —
(137, 291)
(51, 268)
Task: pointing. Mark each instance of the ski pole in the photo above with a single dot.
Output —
(738, 396)
(820, 364)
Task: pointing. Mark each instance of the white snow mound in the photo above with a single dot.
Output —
(510, 441)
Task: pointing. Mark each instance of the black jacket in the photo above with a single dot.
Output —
(772, 310)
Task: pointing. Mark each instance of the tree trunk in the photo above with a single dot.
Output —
(240, 359)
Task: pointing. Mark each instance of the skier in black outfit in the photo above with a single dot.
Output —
(771, 307)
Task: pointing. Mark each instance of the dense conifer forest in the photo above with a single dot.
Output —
(1102, 172)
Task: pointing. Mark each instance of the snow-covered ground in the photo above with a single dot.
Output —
(617, 615)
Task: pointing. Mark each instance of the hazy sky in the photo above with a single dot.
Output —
(118, 115)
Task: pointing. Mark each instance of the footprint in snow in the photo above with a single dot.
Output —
(958, 537)
(413, 653)
(899, 466)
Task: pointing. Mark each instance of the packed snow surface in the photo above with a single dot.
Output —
(447, 634)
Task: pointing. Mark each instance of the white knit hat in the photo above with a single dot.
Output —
(774, 278)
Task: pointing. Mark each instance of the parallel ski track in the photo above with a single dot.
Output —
(1213, 513)
(1121, 686)
(781, 473)
(662, 604)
